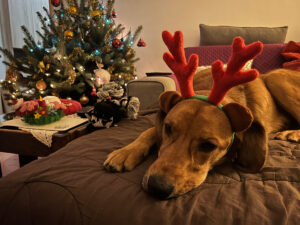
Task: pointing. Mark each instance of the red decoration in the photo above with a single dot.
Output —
(116, 43)
(291, 53)
(114, 14)
(141, 43)
(223, 80)
(94, 91)
(55, 3)
(72, 106)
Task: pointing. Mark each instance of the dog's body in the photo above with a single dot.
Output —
(273, 101)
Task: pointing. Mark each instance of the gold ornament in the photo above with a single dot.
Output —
(72, 10)
(72, 76)
(42, 67)
(84, 100)
(12, 74)
(41, 85)
(95, 13)
(69, 35)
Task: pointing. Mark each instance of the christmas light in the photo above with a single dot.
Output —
(107, 21)
(31, 50)
(47, 50)
(47, 74)
(58, 70)
(97, 52)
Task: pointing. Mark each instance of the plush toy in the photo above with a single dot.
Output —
(112, 106)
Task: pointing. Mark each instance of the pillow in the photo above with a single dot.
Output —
(247, 66)
(223, 35)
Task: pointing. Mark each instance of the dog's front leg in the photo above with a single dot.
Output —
(128, 157)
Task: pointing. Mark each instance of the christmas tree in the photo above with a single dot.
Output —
(80, 46)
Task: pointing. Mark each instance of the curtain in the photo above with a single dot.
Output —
(14, 14)
(23, 12)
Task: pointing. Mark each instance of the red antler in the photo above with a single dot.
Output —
(183, 71)
(233, 76)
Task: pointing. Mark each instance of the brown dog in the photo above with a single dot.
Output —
(195, 135)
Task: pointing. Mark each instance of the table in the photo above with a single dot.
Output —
(13, 140)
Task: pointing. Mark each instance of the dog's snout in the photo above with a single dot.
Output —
(159, 186)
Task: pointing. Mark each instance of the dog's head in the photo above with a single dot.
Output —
(196, 135)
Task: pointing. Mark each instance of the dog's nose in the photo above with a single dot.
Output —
(159, 186)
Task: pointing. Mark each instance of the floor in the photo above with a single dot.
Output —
(9, 163)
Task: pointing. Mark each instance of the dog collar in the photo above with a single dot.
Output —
(220, 106)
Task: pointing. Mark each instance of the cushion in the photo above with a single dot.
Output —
(247, 66)
(223, 35)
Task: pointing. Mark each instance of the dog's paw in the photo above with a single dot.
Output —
(288, 135)
(123, 159)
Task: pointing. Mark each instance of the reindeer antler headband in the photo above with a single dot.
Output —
(223, 80)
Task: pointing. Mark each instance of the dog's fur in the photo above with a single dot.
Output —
(193, 135)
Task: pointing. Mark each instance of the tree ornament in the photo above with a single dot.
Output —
(12, 74)
(95, 13)
(72, 76)
(102, 76)
(69, 35)
(41, 85)
(116, 43)
(55, 3)
(93, 91)
(84, 100)
(141, 43)
(114, 14)
(72, 10)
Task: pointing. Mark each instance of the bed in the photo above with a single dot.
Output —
(72, 187)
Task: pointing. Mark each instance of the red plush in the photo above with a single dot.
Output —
(72, 106)
(292, 46)
(233, 75)
(291, 52)
(223, 79)
(183, 71)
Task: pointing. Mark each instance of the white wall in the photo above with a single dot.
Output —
(172, 15)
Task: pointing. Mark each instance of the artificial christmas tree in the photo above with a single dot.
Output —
(80, 38)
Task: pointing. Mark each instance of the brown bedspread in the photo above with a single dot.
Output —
(71, 187)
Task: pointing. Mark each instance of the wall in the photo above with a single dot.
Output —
(172, 15)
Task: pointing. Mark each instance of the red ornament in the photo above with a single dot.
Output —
(55, 3)
(114, 14)
(141, 43)
(116, 43)
(94, 91)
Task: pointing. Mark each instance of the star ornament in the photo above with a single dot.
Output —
(37, 116)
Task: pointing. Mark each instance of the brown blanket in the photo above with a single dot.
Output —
(71, 187)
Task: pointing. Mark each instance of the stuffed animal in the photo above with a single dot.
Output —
(112, 106)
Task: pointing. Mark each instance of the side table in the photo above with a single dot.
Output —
(23, 143)
(13, 140)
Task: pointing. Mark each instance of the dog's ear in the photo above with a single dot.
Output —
(253, 149)
(168, 99)
(240, 117)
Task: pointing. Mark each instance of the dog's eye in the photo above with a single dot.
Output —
(168, 129)
(207, 146)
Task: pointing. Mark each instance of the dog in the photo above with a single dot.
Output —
(193, 136)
